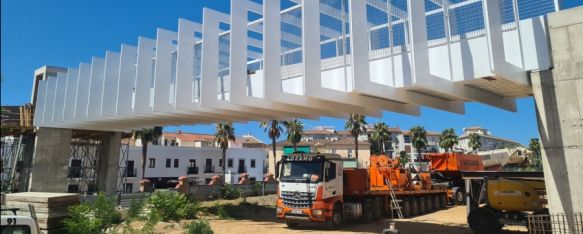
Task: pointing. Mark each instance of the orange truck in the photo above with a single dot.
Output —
(447, 168)
(316, 188)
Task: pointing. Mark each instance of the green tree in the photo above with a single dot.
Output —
(295, 129)
(403, 159)
(356, 125)
(534, 146)
(225, 133)
(475, 141)
(448, 139)
(274, 130)
(419, 140)
(380, 135)
(147, 135)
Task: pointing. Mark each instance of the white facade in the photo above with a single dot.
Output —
(165, 163)
(488, 141)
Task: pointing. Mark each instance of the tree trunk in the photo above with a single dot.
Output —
(419, 158)
(295, 147)
(356, 150)
(224, 165)
(273, 142)
(144, 155)
(382, 146)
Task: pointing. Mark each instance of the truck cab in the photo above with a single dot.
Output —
(13, 223)
(310, 188)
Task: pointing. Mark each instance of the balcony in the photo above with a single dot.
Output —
(131, 172)
(242, 170)
(209, 169)
(192, 170)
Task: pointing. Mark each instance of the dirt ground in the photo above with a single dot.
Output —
(260, 218)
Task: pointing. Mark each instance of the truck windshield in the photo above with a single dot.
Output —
(301, 172)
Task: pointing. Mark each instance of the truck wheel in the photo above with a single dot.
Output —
(377, 209)
(422, 206)
(459, 197)
(436, 203)
(406, 208)
(429, 203)
(291, 225)
(367, 211)
(414, 206)
(336, 219)
(483, 221)
(442, 201)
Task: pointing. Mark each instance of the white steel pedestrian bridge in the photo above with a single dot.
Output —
(278, 59)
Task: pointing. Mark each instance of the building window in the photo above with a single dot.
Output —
(192, 163)
(350, 153)
(176, 162)
(168, 162)
(407, 139)
(252, 163)
(221, 163)
(152, 163)
(230, 163)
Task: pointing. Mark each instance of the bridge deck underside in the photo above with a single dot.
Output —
(308, 59)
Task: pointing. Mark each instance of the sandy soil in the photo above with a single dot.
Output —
(448, 221)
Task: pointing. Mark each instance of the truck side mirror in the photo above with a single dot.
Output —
(277, 169)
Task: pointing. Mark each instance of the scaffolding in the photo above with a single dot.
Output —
(17, 153)
(124, 171)
(84, 165)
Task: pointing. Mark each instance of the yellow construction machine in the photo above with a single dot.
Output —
(495, 199)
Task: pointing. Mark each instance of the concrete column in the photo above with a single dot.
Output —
(107, 177)
(559, 101)
(51, 160)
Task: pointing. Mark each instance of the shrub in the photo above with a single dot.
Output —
(82, 220)
(257, 188)
(230, 192)
(171, 206)
(223, 212)
(93, 217)
(198, 227)
(135, 209)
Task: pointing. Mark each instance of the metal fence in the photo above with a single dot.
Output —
(556, 223)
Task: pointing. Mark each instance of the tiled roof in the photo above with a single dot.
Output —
(189, 137)
(247, 139)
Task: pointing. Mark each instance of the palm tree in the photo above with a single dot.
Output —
(356, 124)
(274, 130)
(448, 139)
(381, 134)
(225, 133)
(403, 159)
(419, 140)
(147, 135)
(295, 129)
(475, 141)
(534, 146)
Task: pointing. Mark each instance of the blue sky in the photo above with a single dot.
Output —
(65, 32)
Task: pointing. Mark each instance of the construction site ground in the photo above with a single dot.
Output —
(258, 216)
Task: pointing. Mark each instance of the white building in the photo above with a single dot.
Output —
(164, 164)
(489, 142)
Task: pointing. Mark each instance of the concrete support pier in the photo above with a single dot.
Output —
(52, 154)
(51, 160)
(559, 99)
(109, 163)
